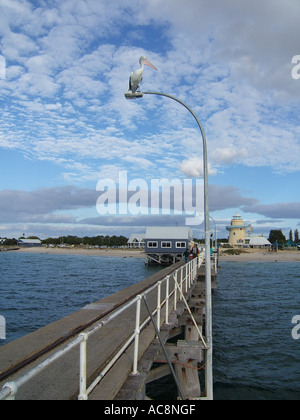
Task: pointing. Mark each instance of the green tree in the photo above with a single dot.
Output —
(277, 236)
(297, 239)
(12, 242)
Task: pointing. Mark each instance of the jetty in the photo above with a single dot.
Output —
(114, 348)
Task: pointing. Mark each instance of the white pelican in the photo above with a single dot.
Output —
(136, 77)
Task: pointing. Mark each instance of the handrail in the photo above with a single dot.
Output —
(10, 389)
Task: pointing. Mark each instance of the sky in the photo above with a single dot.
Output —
(65, 125)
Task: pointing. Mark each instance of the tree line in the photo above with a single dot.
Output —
(100, 240)
(278, 236)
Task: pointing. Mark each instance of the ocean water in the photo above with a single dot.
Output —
(37, 289)
(255, 356)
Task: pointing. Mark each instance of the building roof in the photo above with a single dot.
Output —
(169, 233)
(257, 241)
(137, 237)
(30, 241)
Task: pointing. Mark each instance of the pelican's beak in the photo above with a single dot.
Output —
(147, 63)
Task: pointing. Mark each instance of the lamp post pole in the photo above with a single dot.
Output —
(208, 297)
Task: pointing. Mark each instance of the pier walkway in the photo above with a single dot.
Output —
(111, 349)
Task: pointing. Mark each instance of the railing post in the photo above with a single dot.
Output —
(187, 277)
(167, 299)
(158, 304)
(83, 363)
(137, 336)
(193, 270)
(181, 281)
(175, 289)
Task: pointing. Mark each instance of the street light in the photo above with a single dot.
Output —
(208, 298)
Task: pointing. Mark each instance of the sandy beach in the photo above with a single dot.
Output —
(249, 255)
(262, 256)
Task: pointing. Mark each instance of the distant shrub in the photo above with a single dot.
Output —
(235, 252)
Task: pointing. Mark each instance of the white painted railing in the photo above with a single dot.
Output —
(176, 285)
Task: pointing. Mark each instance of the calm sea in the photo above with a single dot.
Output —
(255, 356)
(37, 289)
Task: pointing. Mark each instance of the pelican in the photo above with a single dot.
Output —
(136, 77)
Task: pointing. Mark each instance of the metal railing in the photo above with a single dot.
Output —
(175, 285)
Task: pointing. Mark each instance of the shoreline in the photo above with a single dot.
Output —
(252, 255)
(125, 253)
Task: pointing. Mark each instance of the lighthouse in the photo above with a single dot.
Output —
(237, 230)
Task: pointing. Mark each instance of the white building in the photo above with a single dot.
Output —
(256, 242)
(137, 240)
(29, 243)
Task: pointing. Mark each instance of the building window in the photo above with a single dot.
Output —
(181, 245)
(152, 244)
(166, 244)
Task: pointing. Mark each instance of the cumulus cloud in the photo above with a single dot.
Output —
(229, 155)
(68, 64)
(60, 54)
(193, 168)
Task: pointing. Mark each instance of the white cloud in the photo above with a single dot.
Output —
(229, 155)
(193, 168)
(219, 69)
(68, 65)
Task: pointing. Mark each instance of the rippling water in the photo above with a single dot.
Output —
(37, 289)
(255, 356)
